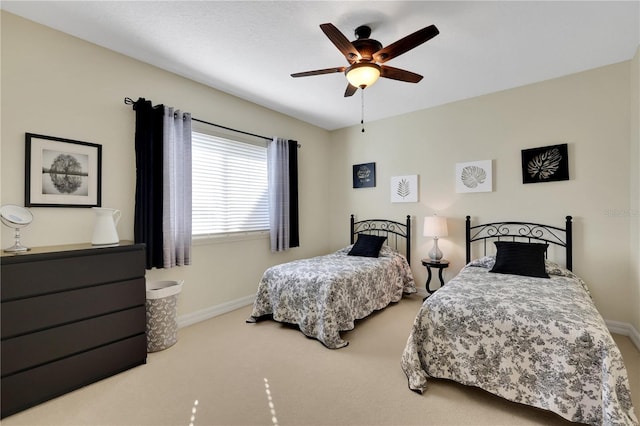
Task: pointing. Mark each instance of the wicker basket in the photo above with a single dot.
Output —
(162, 325)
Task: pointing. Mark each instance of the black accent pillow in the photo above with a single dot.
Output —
(367, 245)
(518, 258)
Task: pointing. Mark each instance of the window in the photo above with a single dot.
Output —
(230, 192)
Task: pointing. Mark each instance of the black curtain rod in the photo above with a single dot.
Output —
(229, 128)
(129, 101)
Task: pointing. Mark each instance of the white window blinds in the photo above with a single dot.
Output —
(229, 186)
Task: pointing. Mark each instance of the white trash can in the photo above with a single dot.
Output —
(162, 324)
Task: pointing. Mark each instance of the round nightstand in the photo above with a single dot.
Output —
(441, 265)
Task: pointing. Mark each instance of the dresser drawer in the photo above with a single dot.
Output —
(71, 315)
(31, 387)
(49, 274)
(35, 349)
(43, 312)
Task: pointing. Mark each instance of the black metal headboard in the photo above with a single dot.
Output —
(531, 232)
(394, 231)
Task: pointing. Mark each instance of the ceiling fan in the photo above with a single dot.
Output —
(366, 54)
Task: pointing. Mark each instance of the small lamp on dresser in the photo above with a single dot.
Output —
(436, 227)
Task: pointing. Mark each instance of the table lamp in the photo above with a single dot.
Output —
(436, 227)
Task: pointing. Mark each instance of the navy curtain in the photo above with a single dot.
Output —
(294, 232)
(147, 226)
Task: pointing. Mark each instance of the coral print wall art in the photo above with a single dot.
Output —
(62, 172)
(545, 164)
(475, 176)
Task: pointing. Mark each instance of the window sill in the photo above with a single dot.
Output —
(203, 240)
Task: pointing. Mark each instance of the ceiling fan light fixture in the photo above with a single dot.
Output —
(363, 74)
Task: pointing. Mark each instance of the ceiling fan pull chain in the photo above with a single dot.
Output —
(362, 116)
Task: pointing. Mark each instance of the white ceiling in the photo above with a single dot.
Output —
(250, 48)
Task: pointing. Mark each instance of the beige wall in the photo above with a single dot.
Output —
(58, 85)
(634, 159)
(589, 111)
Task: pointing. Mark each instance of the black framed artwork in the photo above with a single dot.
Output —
(545, 164)
(364, 175)
(62, 172)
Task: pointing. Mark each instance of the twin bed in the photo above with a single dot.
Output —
(521, 327)
(325, 295)
(512, 322)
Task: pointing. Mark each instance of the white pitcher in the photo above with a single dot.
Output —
(105, 231)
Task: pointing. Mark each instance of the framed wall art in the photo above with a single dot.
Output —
(364, 175)
(545, 164)
(62, 172)
(404, 189)
(475, 176)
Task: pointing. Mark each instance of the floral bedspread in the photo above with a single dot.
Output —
(534, 341)
(324, 295)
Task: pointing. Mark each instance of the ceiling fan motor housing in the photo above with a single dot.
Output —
(365, 45)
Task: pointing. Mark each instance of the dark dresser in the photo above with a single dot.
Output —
(71, 315)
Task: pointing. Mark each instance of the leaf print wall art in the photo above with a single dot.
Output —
(475, 176)
(404, 189)
(545, 164)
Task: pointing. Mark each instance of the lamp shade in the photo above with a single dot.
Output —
(363, 74)
(435, 226)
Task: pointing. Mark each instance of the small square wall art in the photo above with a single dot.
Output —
(475, 176)
(404, 189)
(364, 175)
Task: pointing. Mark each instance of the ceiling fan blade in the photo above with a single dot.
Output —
(341, 42)
(405, 44)
(351, 89)
(318, 72)
(398, 74)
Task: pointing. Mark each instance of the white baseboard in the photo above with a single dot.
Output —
(214, 311)
(422, 292)
(625, 329)
(616, 327)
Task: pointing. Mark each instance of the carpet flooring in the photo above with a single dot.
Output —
(225, 372)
